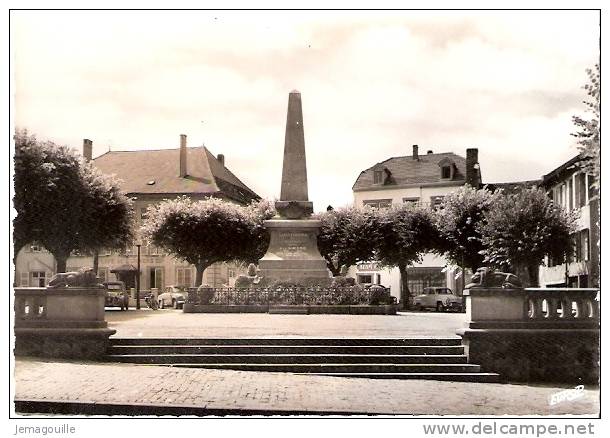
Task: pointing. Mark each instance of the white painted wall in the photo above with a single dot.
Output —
(398, 194)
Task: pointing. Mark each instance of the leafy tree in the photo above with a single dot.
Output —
(345, 237)
(257, 245)
(588, 128)
(64, 204)
(109, 219)
(458, 219)
(523, 227)
(206, 232)
(404, 234)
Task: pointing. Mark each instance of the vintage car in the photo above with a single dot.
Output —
(439, 298)
(116, 295)
(174, 296)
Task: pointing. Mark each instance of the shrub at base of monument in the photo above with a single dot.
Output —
(291, 294)
(343, 281)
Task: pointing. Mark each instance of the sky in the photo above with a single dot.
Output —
(373, 83)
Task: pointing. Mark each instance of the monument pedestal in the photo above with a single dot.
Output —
(293, 251)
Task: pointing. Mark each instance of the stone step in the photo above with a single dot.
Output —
(374, 358)
(289, 358)
(455, 377)
(289, 341)
(286, 349)
(328, 368)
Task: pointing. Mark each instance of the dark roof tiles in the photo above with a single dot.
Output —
(205, 174)
(406, 170)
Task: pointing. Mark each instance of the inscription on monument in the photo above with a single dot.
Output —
(293, 244)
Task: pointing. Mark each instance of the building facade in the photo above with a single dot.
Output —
(423, 179)
(571, 188)
(149, 177)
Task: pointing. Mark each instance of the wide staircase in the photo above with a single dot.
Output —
(415, 358)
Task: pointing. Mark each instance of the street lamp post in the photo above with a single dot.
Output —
(138, 245)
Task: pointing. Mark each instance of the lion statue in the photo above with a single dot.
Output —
(84, 277)
(489, 277)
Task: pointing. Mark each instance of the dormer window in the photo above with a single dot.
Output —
(378, 177)
(382, 177)
(447, 168)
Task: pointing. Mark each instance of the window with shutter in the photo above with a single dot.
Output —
(179, 276)
(585, 244)
(591, 190)
(159, 281)
(102, 273)
(38, 278)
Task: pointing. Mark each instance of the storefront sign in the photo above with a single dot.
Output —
(368, 266)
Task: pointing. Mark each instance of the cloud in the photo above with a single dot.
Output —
(373, 84)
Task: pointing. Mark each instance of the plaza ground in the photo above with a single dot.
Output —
(128, 387)
(173, 323)
(198, 390)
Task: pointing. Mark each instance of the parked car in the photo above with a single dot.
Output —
(439, 298)
(371, 286)
(116, 295)
(174, 296)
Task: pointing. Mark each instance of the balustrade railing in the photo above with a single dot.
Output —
(536, 305)
(30, 304)
(561, 304)
(290, 296)
(61, 307)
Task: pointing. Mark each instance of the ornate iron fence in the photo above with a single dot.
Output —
(291, 296)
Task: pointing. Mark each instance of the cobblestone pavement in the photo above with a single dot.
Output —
(220, 389)
(175, 323)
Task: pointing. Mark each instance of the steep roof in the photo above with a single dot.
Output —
(205, 174)
(562, 171)
(406, 171)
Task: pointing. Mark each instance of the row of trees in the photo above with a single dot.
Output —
(67, 205)
(472, 228)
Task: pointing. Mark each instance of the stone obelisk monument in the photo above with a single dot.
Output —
(293, 250)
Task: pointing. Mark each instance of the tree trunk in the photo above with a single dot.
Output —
(200, 267)
(405, 294)
(16, 248)
(532, 272)
(527, 274)
(96, 261)
(61, 262)
(334, 270)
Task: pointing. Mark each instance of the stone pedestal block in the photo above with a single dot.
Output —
(67, 323)
(293, 252)
(63, 343)
(535, 355)
(495, 304)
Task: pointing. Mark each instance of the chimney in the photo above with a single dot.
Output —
(430, 151)
(183, 171)
(473, 177)
(221, 159)
(87, 149)
(415, 154)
